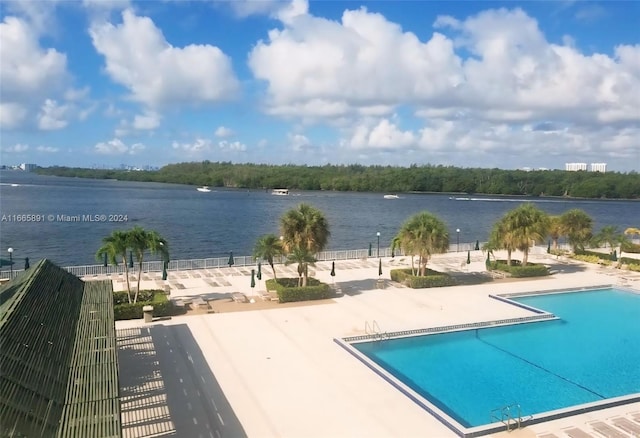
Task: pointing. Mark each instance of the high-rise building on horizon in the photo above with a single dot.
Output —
(599, 167)
(574, 167)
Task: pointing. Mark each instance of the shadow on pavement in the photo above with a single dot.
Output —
(167, 387)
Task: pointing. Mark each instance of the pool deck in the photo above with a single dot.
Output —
(276, 372)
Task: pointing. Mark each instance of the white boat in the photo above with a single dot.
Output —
(203, 189)
(280, 192)
(391, 197)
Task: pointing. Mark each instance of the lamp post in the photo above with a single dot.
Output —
(457, 239)
(10, 251)
(378, 234)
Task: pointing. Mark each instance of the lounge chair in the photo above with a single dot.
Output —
(626, 425)
(269, 295)
(239, 297)
(574, 432)
(546, 435)
(607, 431)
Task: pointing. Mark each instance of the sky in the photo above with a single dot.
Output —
(100, 83)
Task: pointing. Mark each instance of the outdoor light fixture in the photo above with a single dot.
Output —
(10, 251)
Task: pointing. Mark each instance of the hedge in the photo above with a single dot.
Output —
(161, 306)
(431, 279)
(288, 290)
(517, 270)
(122, 297)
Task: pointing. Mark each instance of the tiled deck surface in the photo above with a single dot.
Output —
(278, 373)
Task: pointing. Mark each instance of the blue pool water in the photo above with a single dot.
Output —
(591, 354)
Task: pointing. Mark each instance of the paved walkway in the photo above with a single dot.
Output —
(278, 373)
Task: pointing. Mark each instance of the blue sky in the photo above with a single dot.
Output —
(470, 84)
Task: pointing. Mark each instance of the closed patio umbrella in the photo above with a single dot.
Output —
(468, 257)
(380, 267)
(26, 263)
(477, 245)
(259, 274)
(369, 249)
(230, 262)
(253, 278)
(105, 262)
(165, 264)
(614, 256)
(333, 269)
(131, 259)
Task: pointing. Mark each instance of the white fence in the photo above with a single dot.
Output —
(222, 262)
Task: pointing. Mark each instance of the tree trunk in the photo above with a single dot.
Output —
(508, 257)
(135, 298)
(126, 274)
(525, 257)
(274, 271)
(555, 244)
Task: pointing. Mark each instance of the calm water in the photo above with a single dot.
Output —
(199, 225)
(591, 354)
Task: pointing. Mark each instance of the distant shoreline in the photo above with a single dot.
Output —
(552, 184)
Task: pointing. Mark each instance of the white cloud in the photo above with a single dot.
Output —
(52, 116)
(383, 135)
(324, 69)
(298, 142)
(317, 67)
(138, 56)
(198, 146)
(47, 149)
(12, 115)
(30, 74)
(146, 121)
(117, 147)
(232, 146)
(355, 73)
(16, 148)
(223, 132)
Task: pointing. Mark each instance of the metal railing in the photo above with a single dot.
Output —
(209, 263)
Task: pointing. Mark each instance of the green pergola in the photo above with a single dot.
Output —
(58, 356)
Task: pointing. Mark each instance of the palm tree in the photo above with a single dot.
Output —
(115, 245)
(268, 247)
(303, 257)
(502, 237)
(423, 235)
(523, 225)
(304, 227)
(555, 230)
(140, 241)
(577, 226)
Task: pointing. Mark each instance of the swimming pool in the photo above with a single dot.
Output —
(589, 354)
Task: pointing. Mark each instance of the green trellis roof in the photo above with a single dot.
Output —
(58, 356)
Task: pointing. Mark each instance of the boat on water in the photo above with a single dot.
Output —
(391, 197)
(280, 192)
(203, 189)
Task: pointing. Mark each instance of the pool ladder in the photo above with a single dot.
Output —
(373, 330)
(510, 416)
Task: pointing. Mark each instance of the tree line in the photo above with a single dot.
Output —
(358, 178)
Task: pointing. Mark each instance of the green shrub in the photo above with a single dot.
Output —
(288, 290)
(122, 297)
(432, 279)
(631, 247)
(517, 270)
(158, 299)
(590, 258)
(634, 267)
(629, 261)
